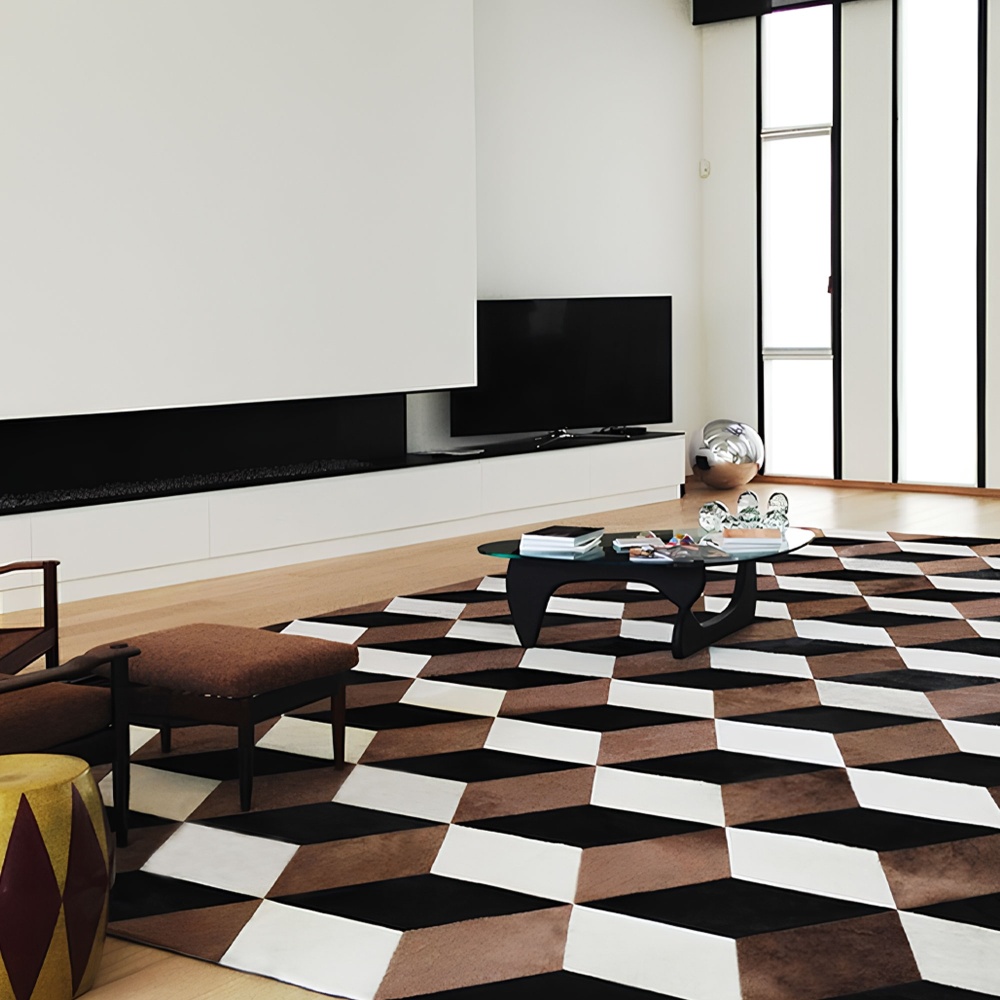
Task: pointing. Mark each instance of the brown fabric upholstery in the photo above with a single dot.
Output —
(43, 717)
(231, 661)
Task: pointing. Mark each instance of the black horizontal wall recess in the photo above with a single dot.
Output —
(709, 11)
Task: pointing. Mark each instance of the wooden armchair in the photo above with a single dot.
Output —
(21, 646)
(70, 710)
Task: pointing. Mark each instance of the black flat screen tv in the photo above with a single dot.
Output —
(549, 364)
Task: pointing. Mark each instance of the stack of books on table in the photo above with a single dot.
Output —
(562, 541)
(737, 540)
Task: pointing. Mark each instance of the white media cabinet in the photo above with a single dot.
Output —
(134, 545)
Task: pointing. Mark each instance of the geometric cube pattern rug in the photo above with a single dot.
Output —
(808, 810)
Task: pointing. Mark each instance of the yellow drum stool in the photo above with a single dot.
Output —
(54, 877)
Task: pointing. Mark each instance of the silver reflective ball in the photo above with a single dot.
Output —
(726, 454)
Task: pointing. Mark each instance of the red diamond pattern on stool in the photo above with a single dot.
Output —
(29, 903)
(85, 895)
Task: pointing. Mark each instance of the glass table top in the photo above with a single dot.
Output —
(792, 539)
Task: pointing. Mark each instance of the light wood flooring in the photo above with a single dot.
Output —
(256, 599)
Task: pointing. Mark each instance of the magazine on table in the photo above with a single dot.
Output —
(561, 538)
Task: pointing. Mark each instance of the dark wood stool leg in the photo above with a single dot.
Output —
(120, 773)
(165, 733)
(245, 752)
(338, 722)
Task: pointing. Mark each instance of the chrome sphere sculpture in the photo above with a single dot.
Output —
(725, 454)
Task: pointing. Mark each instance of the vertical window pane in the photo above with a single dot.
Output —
(938, 146)
(795, 241)
(797, 67)
(798, 414)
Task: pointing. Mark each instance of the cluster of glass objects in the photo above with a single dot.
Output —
(715, 514)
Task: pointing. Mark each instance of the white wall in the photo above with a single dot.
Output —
(221, 201)
(866, 304)
(729, 221)
(588, 136)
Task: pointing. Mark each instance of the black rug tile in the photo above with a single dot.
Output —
(715, 679)
(872, 829)
(405, 904)
(514, 678)
(397, 716)
(442, 646)
(140, 894)
(587, 826)
(964, 768)
(982, 911)
(558, 619)
(733, 908)
(941, 595)
(370, 619)
(364, 677)
(850, 575)
(825, 719)
(223, 765)
(475, 765)
(784, 595)
(461, 596)
(915, 680)
(977, 646)
(616, 645)
(978, 574)
(839, 541)
(550, 986)
(799, 646)
(916, 991)
(884, 619)
(909, 557)
(604, 718)
(988, 719)
(140, 821)
(719, 767)
(316, 823)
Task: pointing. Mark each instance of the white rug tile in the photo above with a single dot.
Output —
(950, 661)
(859, 534)
(974, 737)
(332, 631)
(764, 569)
(992, 561)
(484, 632)
(577, 746)
(425, 606)
(773, 609)
(755, 661)
(937, 549)
(139, 736)
(807, 865)
(902, 606)
(516, 863)
(372, 660)
(659, 795)
(817, 628)
(889, 567)
(465, 698)
(314, 739)
(988, 630)
(568, 661)
(973, 584)
(398, 792)
(955, 954)
(493, 584)
(647, 587)
(317, 951)
(158, 792)
(916, 796)
(662, 698)
(586, 609)
(871, 698)
(815, 552)
(818, 585)
(221, 858)
(776, 741)
(646, 630)
(652, 956)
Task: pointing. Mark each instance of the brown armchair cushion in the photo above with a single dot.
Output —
(43, 717)
(232, 661)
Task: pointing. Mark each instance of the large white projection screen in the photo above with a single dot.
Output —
(220, 201)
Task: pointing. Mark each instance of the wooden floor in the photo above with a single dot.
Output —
(256, 599)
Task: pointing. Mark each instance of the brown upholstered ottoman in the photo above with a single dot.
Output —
(235, 676)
